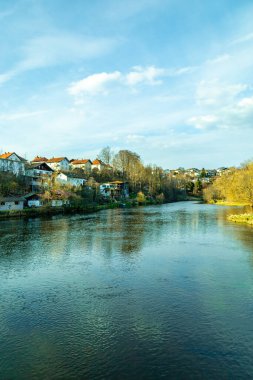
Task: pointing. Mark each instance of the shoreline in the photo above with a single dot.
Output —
(27, 213)
(242, 218)
(226, 203)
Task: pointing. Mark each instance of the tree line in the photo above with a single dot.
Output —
(235, 185)
(145, 181)
(150, 180)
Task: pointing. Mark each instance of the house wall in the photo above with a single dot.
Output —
(6, 206)
(59, 202)
(64, 179)
(86, 167)
(98, 166)
(34, 203)
(62, 165)
(76, 181)
(10, 165)
(38, 172)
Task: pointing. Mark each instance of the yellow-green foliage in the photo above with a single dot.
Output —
(242, 218)
(234, 186)
(141, 197)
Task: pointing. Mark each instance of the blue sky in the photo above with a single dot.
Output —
(168, 79)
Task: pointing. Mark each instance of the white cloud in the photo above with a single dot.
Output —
(6, 76)
(20, 115)
(203, 122)
(235, 116)
(214, 92)
(246, 103)
(245, 38)
(62, 48)
(150, 75)
(94, 84)
(220, 59)
(147, 75)
(58, 49)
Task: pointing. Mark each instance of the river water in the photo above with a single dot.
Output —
(159, 292)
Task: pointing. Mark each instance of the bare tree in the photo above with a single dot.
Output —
(106, 155)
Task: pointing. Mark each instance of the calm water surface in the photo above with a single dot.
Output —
(147, 293)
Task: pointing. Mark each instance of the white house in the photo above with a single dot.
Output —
(59, 202)
(59, 163)
(98, 164)
(39, 169)
(70, 179)
(11, 203)
(84, 164)
(11, 162)
(33, 200)
(115, 189)
(39, 173)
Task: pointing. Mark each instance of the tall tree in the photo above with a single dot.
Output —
(106, 155)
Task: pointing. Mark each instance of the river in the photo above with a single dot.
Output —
(159, 292)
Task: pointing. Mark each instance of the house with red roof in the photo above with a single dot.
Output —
(84, 164)
(98, 164)
(13, 163)
(59, 163)
(39, 159)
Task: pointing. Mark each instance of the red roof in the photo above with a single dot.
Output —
(78, 162)
(39, 159)
(56, 159)
(97, 162)
(6, 155)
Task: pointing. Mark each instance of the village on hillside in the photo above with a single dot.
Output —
(58, 181)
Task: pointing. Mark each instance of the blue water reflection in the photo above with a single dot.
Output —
(146, 293)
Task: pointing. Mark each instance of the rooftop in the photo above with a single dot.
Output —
(78, 162)
(56, 159)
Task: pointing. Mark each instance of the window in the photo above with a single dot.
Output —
(2, 203)
(16, 202)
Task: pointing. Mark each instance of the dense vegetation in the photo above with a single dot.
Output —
(149, 180)
(11, 184)
(234, 186)
(146, 183)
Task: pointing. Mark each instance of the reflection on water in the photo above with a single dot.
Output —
(145, 293)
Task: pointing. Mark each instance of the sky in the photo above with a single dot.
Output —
(171, 80)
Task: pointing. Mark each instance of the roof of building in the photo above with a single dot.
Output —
(31, 195)
(39, 159)
(34, 165)
(56, 159)
(12, 199)
(79, 162)
(7, 155)
(97, 162)
(118, 182)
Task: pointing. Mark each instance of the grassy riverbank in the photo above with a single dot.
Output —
(81, 209)
(67, 210)
(227, 203)
(242, 218)
(50, 211)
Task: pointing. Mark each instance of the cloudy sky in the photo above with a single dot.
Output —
(168, 79)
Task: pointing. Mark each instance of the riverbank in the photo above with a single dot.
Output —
(50, 211)
(242, 218)
(227, 203)
(46, 211)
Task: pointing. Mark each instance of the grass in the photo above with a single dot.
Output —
(229, 203)
(242, 218)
